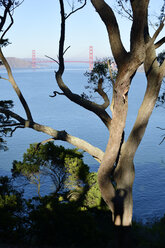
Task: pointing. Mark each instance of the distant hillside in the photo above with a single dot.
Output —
(23, 63)
(19, 63)
(27, 63)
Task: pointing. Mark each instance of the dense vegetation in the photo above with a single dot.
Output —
(72, 214)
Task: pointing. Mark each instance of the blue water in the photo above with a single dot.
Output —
(62, 114)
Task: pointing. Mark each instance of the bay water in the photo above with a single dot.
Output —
(61, 114)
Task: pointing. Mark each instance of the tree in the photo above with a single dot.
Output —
(11, 210)
(64, 167)
(6, 123)
(116, 173)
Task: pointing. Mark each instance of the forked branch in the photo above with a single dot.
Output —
(102, 93)
(57, 135)
(109, 19)
(99, 110)
(75, 10)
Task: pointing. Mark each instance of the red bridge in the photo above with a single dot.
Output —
(35, 61)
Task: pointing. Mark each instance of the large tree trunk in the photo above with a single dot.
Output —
(124, 175)
(116, 182)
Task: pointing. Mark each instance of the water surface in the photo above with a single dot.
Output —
(62, 114)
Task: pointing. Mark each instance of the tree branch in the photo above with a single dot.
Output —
(89, 105)
(111, 24)
(154, 80)
(139, 33)
(13, 115)
(159, 43)
(128, 13)
(18, 4)
(11, 134)
(66, 50)
(15, 87)
(58, 135)
(75, 141)
(43, 142)
(157, 32)
(101, 92)
(99, 110)
(56, 92)
(10, 125)
(12, 21)
(6, 11)
(52, 59)
(76, 10)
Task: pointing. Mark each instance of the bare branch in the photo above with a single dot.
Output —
(52, 59)
(99, 110)
(101, 92)
(157, 32)
(139, 33)
(11, 23)
(13, 115)
(58, 135)
(128, 13)
(162, 141)
(15, 87)
(66, 50)
(17, 5)
(160, 128)
(10, 125)
(96, 108)
(76, 10)
(162, 135)
(11, 134)
(43, 142)
(154, 80)
(3, 18)
(109, 19)
(56, 92)
(159, 43)
(4, 78)
(75, 141)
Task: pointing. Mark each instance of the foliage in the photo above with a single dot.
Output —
(162, 12)
(124, 9)
(7, 10)
(67, 224)
(53, 221)
(5, 122)
(64, 167)
(100, 71)
(93, 195)
(11, 209)
(161, 97)
(161, 57)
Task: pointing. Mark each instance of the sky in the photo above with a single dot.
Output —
(37, 27)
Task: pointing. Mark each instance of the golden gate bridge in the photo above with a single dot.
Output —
(35, 61)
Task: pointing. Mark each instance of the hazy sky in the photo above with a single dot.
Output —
(37, 26)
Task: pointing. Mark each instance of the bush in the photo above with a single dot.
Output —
(11, 210)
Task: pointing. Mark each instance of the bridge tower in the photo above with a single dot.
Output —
(33, 59)
(90, 58)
